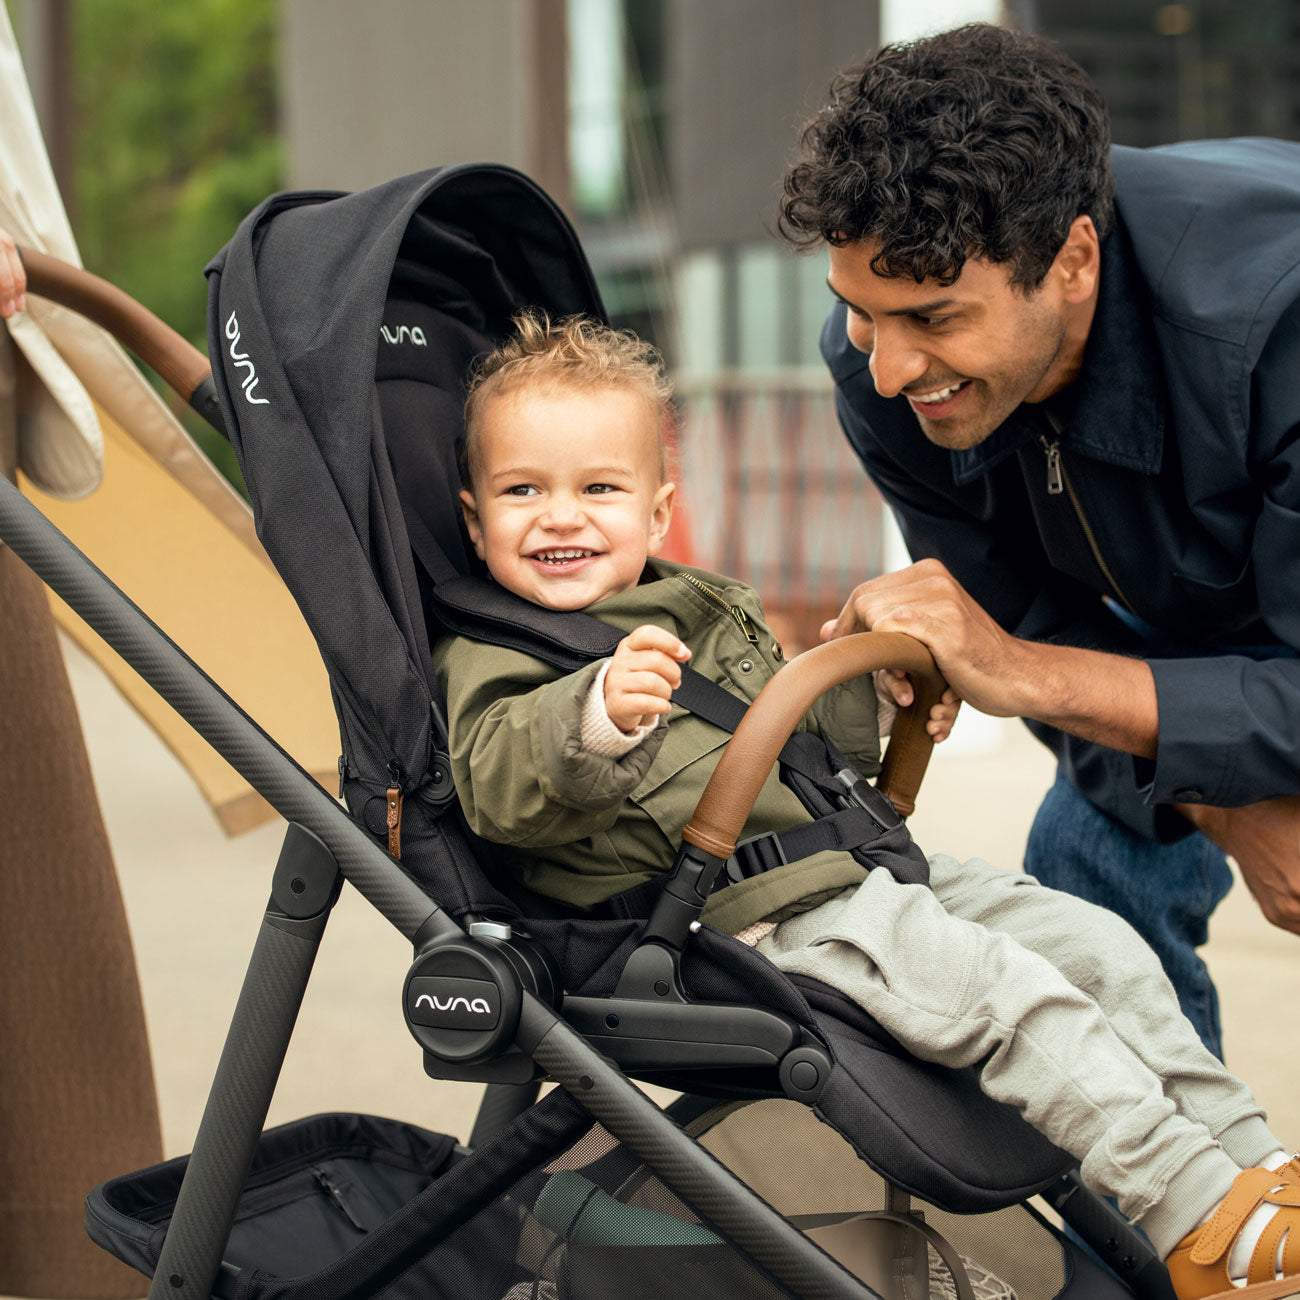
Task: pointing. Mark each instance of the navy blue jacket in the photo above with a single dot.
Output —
(1181, 442)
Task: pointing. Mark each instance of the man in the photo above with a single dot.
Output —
(1100, 348)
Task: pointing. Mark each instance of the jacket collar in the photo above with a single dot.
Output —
(1115, 411)
(657, 593)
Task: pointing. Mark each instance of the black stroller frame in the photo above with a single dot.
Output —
(542, 1029)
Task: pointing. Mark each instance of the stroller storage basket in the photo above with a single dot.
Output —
(357, 1206)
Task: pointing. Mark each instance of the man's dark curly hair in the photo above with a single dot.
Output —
(978, 142)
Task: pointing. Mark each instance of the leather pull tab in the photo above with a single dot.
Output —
(394, 818)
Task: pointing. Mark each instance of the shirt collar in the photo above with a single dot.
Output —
(1115, 411)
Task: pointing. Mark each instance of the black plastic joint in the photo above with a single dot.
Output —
(860, 793)
(307, 879)
(755, 855)
(684, 895)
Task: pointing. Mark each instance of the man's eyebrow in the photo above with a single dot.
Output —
(920, 309)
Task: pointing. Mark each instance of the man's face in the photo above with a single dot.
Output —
(964, 355)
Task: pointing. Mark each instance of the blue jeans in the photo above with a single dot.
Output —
(1165, 891)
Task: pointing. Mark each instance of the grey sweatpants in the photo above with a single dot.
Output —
(1070, 1014)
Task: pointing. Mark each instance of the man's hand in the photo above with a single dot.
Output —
(644, 671)
(13, 279)
(981, 662)
(1264, 838)
(1101, 697)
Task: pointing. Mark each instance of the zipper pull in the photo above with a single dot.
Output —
(343, 773)
(745, 623)
(393, 817)
(1055, 479)
(335, 1195)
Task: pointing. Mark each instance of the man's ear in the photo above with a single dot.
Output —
(473, 525)
(661, 515)
(1078, 264)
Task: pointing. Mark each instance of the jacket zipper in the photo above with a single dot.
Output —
(335, 1194)
(393, 800)
(1058, 481)
(743, 621)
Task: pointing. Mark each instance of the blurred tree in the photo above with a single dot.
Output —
(176, 138)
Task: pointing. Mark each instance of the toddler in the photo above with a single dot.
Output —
(587, 780)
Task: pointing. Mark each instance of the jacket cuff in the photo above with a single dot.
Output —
(1203, 722)
(598, 731)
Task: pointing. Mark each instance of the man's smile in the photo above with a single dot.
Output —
(938, 402)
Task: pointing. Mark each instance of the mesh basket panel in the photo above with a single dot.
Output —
(805, 1169)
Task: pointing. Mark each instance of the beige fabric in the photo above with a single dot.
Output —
(59, 443)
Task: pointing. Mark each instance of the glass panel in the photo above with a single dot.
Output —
(760, 305)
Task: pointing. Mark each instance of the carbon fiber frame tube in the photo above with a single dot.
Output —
(701, 1181)
(236, 1108)
(202, 703)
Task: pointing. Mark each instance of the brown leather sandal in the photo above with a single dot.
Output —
(1198, 1265)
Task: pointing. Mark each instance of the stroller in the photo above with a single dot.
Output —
(341, 328)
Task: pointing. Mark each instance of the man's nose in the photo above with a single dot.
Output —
(895, 363)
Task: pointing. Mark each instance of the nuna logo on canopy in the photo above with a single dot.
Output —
(404, 334)
(243, 362)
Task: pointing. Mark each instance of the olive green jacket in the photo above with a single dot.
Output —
(581, 827)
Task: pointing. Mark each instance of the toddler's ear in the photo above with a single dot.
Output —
(661, 515)
(473, 525)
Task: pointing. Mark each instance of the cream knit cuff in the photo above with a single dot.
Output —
(599, 735)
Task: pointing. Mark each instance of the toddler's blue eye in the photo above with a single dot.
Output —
(600, 489)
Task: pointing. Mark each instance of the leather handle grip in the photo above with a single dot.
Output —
(729, 796)
(179, 363)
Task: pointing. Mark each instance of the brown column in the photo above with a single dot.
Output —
(77, 1099)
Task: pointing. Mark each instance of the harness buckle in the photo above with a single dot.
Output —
(860, 793)
(755, 855)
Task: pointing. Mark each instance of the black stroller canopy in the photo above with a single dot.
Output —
(346, 325)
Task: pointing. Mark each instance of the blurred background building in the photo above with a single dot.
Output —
(661, 126)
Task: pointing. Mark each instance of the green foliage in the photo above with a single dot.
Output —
(176, 139)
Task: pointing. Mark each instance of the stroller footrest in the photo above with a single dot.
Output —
(651, 1035)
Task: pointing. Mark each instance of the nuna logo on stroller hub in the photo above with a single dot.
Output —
(404, 334)
(449, 1002)
(243, 362)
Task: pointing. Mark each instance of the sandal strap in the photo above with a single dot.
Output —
(1284, 1226)
(1250, 1187)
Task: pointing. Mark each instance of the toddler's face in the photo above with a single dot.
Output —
(567, 501)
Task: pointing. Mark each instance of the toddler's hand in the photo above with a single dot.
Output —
(643, 673)
(894, 684)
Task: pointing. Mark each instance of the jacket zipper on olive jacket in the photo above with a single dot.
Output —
(742, 619)
(1058, 481)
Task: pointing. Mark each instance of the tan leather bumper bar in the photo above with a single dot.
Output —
(729, 796)
(179, 363)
